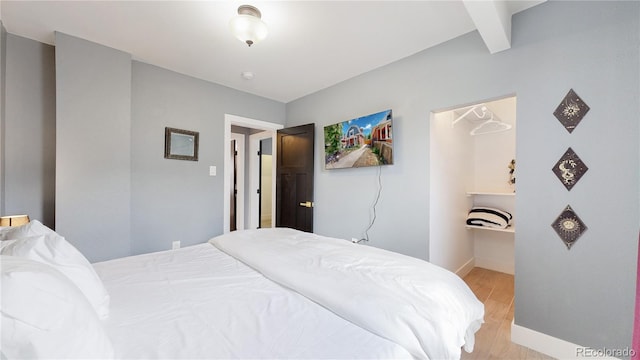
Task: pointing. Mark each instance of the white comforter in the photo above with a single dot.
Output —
(199, 303)
(425, 309)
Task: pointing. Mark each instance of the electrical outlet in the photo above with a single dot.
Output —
(175, 245)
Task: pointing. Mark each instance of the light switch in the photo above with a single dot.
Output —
(212, 171)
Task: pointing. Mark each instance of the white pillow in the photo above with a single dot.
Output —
(52, 249)
(32, 228)
(44, 315)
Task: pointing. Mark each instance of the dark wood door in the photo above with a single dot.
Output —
(234, 187)
(294, 177)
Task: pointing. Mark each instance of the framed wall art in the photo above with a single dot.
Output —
(569, 226)
(571, 110)
(569, 169)
(180, 144)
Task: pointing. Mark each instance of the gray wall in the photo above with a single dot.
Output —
(267, 146)
(116, 194)
(585, 295)
(173, 199)
(93, 147)
(29, 115)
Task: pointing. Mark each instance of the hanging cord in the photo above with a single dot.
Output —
(375, 203)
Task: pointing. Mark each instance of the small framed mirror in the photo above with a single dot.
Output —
(180, 144)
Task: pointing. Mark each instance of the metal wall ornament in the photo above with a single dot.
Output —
(571, 110)
(569, 169)
(569, 227)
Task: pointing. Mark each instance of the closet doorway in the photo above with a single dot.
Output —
(471, 152)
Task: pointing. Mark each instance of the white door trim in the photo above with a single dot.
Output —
(248, 123)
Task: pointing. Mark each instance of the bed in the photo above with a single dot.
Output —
(253, 294)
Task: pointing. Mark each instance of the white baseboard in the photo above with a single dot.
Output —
(551, 346)
(496, 265)
(466, 268)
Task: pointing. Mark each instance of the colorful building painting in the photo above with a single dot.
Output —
(363, 141)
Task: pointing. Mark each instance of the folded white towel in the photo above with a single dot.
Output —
(489, 217)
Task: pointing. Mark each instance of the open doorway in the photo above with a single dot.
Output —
(249, 206)
(471, 151)
(262, 185)
(265, 189)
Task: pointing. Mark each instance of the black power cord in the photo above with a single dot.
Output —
(375, 203)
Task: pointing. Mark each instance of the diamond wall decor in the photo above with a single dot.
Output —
(569, 169)
(569, 227)
(571, 110)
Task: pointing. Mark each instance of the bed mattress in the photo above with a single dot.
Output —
(198, 302)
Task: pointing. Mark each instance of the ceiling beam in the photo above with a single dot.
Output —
(493, 21)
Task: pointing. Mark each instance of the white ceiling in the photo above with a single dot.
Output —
(311, 44)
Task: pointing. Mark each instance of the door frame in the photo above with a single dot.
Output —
(236, 120)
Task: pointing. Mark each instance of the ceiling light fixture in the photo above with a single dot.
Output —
(247, 26)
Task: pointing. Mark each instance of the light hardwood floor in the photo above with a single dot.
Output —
(495, 290)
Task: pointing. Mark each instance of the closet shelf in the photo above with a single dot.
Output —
(472, 193)
(510, 229)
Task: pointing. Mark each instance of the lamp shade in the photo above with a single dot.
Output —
(247, 25)
(14, 220)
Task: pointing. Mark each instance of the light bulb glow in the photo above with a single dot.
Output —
(248, 28)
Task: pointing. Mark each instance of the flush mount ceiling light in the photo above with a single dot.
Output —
(247, 25)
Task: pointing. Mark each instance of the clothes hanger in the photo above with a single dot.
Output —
(490, 126)
(474, 110)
